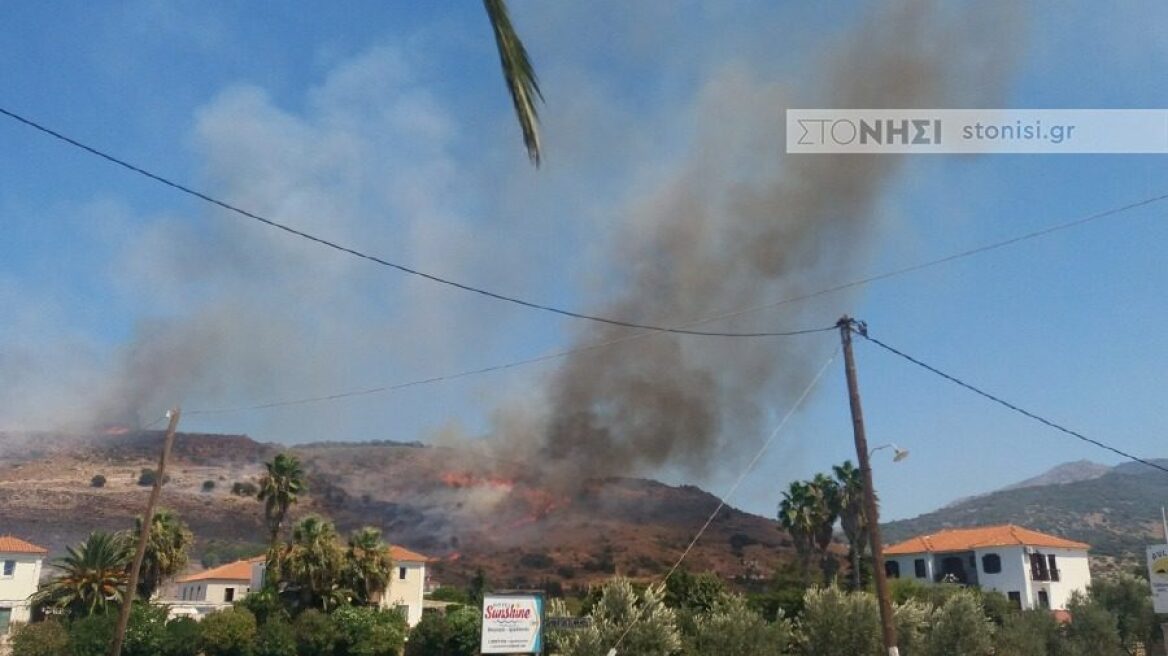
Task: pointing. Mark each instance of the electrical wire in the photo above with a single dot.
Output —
(1000, 401)
(378, 260)
(724, 500)
(560, 311)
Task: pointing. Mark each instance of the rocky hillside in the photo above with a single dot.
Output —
(464, 509)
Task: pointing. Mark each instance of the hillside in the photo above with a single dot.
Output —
(465, 510)
(1117, 513)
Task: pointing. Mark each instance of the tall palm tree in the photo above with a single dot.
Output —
(519, 74)
(313, 563)
(166, 552)
(279, 489)
(796, 518)
(368, 566)
(92, 576)
(824, 511)
(852, 515)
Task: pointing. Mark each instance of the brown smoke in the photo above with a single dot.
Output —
(742, 224)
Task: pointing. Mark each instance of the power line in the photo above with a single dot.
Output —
(862, 332)
(725, 499)
(568, 313)
(378, 260)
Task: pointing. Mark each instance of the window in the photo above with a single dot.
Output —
(973, 562)
(1015, 598)
(5, 618)
(1043, 600)
(229, 595)
(401, 573)
(991, 563)
(9, 567)
(1054, 573)
(919, 566)
(892, 569)
(1039, 567)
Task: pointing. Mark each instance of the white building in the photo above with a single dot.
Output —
(213, 589)
(1033, 569)
(218, 587)
(20, 571)
(407, 585)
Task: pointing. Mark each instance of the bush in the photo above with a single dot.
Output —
(40, 639)
(182, 637)
(228, 632)
(91, 635)
(244, 489)
(447, 593)
(147, 477)
(98, 480)
(315, 635)
(454, 634)
(1028, 633)
(732, 629)
(208, 485)
(275, 638)
(960, 628)
(835, 622)
(364, 631)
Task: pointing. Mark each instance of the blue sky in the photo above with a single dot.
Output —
(386, 126)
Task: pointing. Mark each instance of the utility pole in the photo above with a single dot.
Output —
(144, 535)
(887, 628)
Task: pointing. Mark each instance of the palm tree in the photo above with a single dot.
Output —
(795, 517)
(313, 563)
(852, 516)
(92, 576)
(368, 566)
(278, 490)
(519, 74)
(166, 552)
(824, 511)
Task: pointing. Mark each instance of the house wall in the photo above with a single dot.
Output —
(1074, 575)
(16, 589)
(908, 566)
(1014, 577)
(212, 591)
(407, 592)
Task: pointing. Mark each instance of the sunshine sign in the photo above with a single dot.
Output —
(1158, 575)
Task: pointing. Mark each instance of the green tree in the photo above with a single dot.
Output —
(795, 516)
(648, 626)
(835, 622)
(960, 628)
(519, 75)
(92, 576)
(368, 566)
(730, 628)
(167, 552)
(1128, 599)
(1029, 633)
(364, 631)
(476, 588)
(454, 634)
(1094, 630)
(275, 637)
(315, 634)
(228, 632)
(312, 565)
(182, 637)
(913, 619)
(279, 489)
(41, 639)
(853, 519)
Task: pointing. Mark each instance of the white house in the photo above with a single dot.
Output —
(407, 585)
(20, 571)
(1033, 569)
(217, 588)
(212, 589)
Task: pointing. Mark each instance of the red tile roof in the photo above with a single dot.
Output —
(240, 570)
(965, 539)
(9, 544)
(405, 555)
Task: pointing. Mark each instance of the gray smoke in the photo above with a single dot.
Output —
(738, 226)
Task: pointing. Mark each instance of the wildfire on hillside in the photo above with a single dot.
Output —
(523, 498)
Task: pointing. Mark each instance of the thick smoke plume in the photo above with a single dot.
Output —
(739, 226)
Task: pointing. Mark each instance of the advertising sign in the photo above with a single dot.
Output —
(512, 624)
(1158, 575)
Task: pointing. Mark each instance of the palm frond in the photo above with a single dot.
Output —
(519, 75)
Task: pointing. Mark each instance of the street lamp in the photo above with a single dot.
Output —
(898, 453)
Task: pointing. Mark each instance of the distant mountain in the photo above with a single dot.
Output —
(1068, 472)
(464, 509)
(1117, 511)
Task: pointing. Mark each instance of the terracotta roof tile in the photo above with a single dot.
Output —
(240, 570)
(405, 555)
(965, 539)
(9, 544)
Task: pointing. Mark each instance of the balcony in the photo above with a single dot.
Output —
(1044, 574)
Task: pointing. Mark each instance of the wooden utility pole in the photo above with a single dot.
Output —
(887, 628)
(144, 535)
